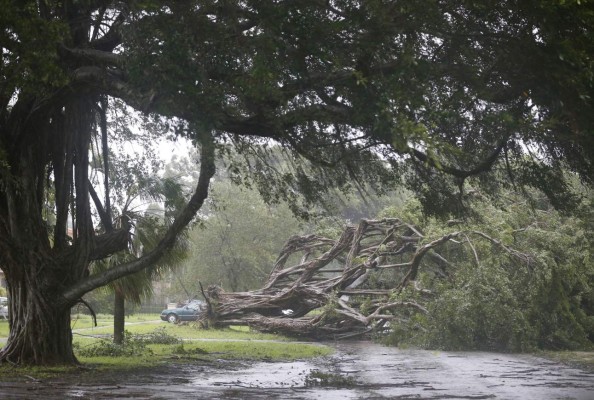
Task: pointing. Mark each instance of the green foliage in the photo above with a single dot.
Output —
(445, 101)
(365, 306)
(329, 309)
(479, 312)
(181, 350)
(30, 61)
(158, 336)
(134, 180)
(329, 227)
(237, 244)
(131, 346)
(491, 299)
(565, 324)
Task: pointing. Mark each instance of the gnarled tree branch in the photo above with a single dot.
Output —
(333, 276)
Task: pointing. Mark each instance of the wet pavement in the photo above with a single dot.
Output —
(358, 370)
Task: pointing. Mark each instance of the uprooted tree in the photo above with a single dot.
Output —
(332, 276)
(365, 92)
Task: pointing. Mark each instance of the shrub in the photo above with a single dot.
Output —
(158, 336)
(130, 346)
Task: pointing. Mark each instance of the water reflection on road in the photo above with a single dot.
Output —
(358, 370)
(394, 373)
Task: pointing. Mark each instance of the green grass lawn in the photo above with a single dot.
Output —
(3, 328)
(203, 345)
(84, 321)
(206, 351)
(198, 345)
(190, 331)
(82, 325)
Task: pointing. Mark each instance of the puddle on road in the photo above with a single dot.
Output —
(272, 375)
(377, 372)
(465, 375)
(265, 380)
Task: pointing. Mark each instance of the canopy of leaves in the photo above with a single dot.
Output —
(455, 89)
(358, 89)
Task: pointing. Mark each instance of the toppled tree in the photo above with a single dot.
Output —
(356, 88)
(332, 276)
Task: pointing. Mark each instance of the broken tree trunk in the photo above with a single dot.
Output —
(322, 288)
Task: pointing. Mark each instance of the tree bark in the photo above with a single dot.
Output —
(119, 317)
(36, 270)
(40, 331)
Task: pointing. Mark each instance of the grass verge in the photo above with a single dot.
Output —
(149, 345)
(579, 359)
(189, 331)
(84, 321)
(183, 342)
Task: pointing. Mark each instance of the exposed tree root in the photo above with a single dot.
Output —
(341, 288)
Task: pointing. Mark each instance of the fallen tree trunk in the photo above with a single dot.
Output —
(340, 288)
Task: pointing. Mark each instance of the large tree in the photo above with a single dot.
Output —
(515, 279)
(356, 88)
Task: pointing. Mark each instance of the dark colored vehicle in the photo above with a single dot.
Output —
(189, 312)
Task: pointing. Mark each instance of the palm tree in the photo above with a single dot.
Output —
(147, 226)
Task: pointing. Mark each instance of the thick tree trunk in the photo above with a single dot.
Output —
(40, 332)
(46, 279)
(119, 317)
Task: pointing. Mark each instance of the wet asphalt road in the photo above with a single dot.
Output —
(359, 370)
